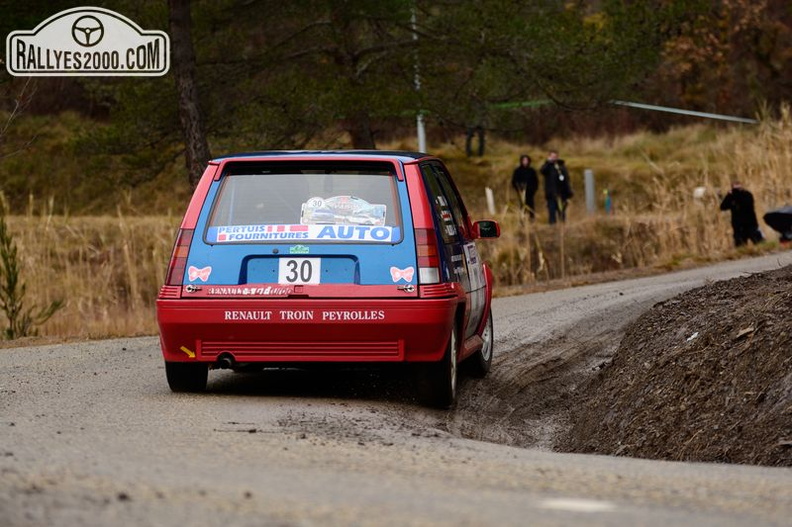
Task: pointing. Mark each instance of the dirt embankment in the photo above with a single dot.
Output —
(705, 376)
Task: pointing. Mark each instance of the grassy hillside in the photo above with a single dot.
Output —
(655, 220)
(58, 165)
(108, 265)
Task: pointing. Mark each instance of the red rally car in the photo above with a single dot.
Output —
(290, 258)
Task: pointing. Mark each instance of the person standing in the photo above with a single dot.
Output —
(526, 183)
(743, 216)
(558, 191)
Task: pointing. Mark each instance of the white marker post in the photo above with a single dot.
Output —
(490, 200)
(591, 203)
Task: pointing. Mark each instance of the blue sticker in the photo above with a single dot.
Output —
(253, 233)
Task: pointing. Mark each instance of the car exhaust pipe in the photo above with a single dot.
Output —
(226, 362)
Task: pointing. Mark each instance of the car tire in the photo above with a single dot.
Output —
(442, 377)
(187, 376)
(478, 364)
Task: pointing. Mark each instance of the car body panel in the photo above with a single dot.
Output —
(306, 330)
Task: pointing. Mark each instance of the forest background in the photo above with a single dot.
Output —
(95, 172)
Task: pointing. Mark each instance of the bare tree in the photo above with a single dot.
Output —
(16, 99)
(183, 61)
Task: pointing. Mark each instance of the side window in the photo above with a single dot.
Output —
(454, 201)
(440, 204)
(260, 203)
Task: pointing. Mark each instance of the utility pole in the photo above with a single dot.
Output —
(419, 119)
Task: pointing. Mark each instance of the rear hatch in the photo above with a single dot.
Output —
(304, 229)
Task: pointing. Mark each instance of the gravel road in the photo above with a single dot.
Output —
(91, 435)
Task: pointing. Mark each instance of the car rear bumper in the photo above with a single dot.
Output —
(297, 330)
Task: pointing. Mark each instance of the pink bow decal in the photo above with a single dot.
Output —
(203, 274)
(397, 274)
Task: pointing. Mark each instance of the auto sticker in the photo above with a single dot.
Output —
(358, 233)
(193, 273)
(341, 210)
(402, 274)
(258, 233)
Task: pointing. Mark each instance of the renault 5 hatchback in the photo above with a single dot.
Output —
(292, 258)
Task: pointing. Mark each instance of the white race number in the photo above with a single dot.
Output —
(299, 270)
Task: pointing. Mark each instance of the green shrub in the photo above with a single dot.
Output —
(22, 321)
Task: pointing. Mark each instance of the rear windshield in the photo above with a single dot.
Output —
(294, 206)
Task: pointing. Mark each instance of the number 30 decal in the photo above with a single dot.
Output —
(299, 270)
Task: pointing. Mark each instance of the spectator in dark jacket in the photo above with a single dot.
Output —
(557, 188)
(526, 183)
(743, 216)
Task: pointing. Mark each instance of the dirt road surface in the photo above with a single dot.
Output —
(90, 435)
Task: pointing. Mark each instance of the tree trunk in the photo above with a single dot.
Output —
(359, 128)
(183, 61)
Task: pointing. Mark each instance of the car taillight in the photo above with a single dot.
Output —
(179, 257)
(428, 256)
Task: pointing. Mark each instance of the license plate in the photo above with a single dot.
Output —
(299, 270)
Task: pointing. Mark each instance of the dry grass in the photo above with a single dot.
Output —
(656, 221)
(108, 269)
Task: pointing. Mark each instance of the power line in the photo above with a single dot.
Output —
(685, 112)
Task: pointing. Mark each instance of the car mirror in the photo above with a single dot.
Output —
(486, 229)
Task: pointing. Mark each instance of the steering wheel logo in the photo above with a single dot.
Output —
(87, 31)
